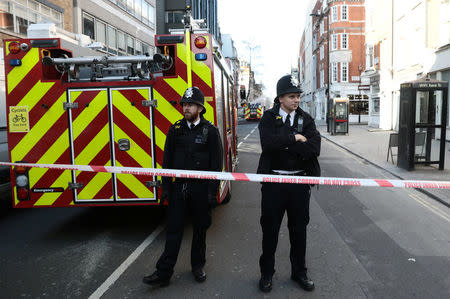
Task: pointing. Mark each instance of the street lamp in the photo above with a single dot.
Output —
(321, 15)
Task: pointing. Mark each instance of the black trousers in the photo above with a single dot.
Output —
(276, 200)
(186, 197)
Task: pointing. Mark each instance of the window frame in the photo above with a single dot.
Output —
(334, 42)
(344, 12)
(346, 41)
(334, 72)
(334, 14)
(344, 71)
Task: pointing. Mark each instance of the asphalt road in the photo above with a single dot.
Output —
(362, 243)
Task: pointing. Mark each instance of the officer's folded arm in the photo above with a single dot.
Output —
(308, 149)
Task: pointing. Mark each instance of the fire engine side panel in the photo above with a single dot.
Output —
(44, 134)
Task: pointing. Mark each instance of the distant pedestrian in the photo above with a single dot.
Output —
(290, 146)
(192, 143)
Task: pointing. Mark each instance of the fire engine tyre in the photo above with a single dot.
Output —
(227, 197)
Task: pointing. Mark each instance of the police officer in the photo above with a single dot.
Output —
(290, 146)
(192, 143)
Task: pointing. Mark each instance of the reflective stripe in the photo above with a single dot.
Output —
(38, 130)
(95, 185)
(47, 199)
(16, 75)
(188, 57)
(136, 116)
(166, 109)
(136, 186)
(35, 94)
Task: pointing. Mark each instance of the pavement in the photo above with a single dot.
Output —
(371, 144)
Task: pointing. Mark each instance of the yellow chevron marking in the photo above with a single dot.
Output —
(95, 184)
(47, 199)
(202, 70)
(35, 94)
(7, 48)
(166, 108)
(86, 117)
(145, 93)
(160, 138)
(177, 84)
(131, 112)
(199, 67)
(94, 147)
(61, 144)
(209, 114)
(135, 151)
(19, 72)
(188, 57)
(136, 186)
(38, 130)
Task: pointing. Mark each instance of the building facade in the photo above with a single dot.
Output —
(337, 46)
(170, 15)
(406, 40)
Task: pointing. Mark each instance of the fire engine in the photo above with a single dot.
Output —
(253, 111)
(107, 111)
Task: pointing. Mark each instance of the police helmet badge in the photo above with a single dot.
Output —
(294, 81)
(189, 92)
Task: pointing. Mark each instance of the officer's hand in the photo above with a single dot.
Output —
(300, 137)
(212, 200)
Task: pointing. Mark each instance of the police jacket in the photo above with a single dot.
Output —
(198, 148)
(278, 143)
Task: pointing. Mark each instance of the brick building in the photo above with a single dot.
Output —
(338, 55)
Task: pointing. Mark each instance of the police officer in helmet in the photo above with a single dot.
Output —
(192, 143)
(290, 146)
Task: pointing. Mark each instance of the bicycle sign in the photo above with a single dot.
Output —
(19, 119)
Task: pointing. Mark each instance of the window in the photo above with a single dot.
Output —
(344, 12)
(321, 27)
(138, 48)
(174, 17)
(369, 56)
(130, 6)
(121, 45)
(322, 78)
(130, 45)
(17, 15)
(334, 70)
(344, 71)
(112, 40)
(88, 26)
(151, 14)
(321, 52)
(334, 14)
(344, 41)
(100, 34)
(334, 42)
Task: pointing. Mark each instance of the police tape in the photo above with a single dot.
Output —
(247, 177)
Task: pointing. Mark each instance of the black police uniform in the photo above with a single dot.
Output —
(280, 151)
(197, 148)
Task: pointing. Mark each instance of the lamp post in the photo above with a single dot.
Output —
(321, 15)
(250, 69)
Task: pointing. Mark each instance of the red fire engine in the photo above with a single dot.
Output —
(253, 111)
(110, 111)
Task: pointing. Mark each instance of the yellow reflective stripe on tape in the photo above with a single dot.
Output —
(177, 84)
(16, 75)
(94, 147)
(38, 130)
(136, 186)
(135, 151)
(35, 94)
(95, 184)
(47, 199)
(166, 108)
(131, 112)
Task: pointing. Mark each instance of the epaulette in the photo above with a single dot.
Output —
(177, 124)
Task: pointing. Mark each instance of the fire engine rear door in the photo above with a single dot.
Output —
(90, 143)
(133, 142)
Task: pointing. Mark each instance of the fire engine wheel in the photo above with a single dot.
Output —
(227, 197)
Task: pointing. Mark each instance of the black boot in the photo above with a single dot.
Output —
(156, 280)
(265, 283)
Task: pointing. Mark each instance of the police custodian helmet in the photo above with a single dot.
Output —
(287, 84)
(194, 95)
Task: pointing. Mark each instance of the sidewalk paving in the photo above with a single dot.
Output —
(372, 144)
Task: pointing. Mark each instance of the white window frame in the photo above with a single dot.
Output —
(344, 37)
(321, 27)
(322, 52)
(334, 42)
(334, 72)
(344, 12)
(344, 72)
(334, 14)
(322, 78)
